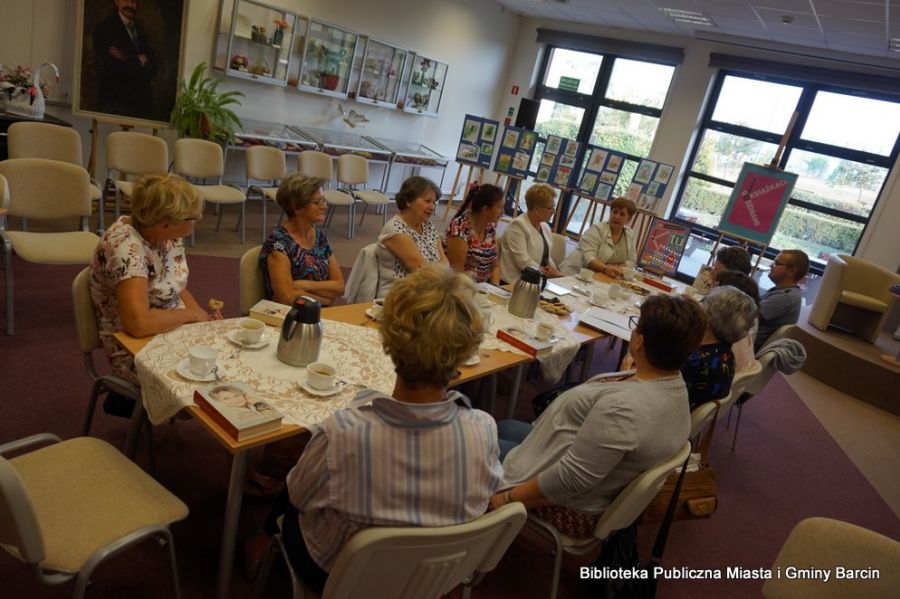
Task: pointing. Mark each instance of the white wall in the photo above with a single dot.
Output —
(683, 109)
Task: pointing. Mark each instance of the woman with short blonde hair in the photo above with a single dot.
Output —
(528, 239)
(296, 259)
(606, 247)
(160, 198)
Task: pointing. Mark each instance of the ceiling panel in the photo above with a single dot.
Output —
(784, 5)
(716, 8)
(857, 26)
(798, 19)
(851, 10)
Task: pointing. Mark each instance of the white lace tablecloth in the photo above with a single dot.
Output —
(355, 351)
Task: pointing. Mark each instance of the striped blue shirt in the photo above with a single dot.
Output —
(384, 462)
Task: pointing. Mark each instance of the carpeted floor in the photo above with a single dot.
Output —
(786, 468)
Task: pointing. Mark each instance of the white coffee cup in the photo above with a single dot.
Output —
(250, 330)
(544, 331)
(320, 375)
(484, 299)
(629, 273)
(586, 275)
(598, 298)
(615, 291)
(202, 359)
(377, 308)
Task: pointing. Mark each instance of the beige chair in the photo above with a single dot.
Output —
(67, 507)
(319, 164)
(622, 512)
(703, 414)
(854, 295)
(557, 248)
(54, 142)
(202, 159)
(268, 166)
(825, 545)
(44, 189)
(252, 286)
(750, 384)
(89, 339)
(413, 562)
(353, 170)
(129, 153)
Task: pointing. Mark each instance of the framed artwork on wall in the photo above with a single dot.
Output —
(128, 60)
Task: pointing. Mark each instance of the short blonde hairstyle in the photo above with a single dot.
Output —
(539, 194)
(430, 325)
(296, 191)
(156, 199)
(623, 202)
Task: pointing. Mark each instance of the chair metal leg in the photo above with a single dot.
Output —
(219, 211)
(365, 209)
(328, 216)
(170, 542)
(118, 199)
(92, 405)
(8, 275)
(737, 425)
(265, 225)
(243, 220)
(351, 218)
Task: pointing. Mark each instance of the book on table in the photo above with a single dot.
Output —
(237, 408)
(271, 313)
(527, 343)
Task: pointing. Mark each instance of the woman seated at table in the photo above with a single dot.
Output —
(708, 372)
(360, 464)
(409, 240)
(296, 259)
(595, 438)
(470, 240)
(139, 272)
(743, 348)
(527, 239)
(606, 247)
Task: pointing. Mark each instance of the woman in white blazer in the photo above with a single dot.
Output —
(527, 239)
(606, 247)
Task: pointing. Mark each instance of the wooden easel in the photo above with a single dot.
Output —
(589, 214)
(641, 224)
(455, 188)
(746, 243)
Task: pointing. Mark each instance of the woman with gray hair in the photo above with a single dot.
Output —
(709, 370)
(296, 259)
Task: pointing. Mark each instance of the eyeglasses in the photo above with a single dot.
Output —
(193, 218)
(776, 263)
(633, 321)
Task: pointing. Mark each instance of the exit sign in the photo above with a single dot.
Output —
(570, 84)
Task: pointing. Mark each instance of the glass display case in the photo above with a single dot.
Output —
(379, 78)
(254, 133)
(336, 143)
(411, 152)
(254, 41)
(328, 57)
(426, 86)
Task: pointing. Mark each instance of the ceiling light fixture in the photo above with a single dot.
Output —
(691, 17)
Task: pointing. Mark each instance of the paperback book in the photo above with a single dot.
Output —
(236, 407)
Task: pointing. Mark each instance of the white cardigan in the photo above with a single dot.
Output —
(521, 246)
(597, 244)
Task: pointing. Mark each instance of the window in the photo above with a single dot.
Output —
(842, 147)
(602, 99)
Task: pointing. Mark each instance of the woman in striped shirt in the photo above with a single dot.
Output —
(471, 238)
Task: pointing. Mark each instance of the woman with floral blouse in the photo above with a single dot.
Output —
(470, 241)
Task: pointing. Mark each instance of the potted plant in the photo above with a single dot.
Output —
(201, 109)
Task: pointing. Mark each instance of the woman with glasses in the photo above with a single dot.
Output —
(139, 271)
(296, 259)
(606, 247)
(527, 239)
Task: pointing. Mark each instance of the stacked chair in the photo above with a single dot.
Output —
(132, 154)
(267, 166)
(353, 171)
(319, 164)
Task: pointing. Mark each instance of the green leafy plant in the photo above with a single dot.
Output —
(201, 110)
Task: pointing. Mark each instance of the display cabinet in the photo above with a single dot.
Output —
(328, 55)
(379, 78)
(412, 155)
(425, 86)
(254, 133)
(337, 143)
(254, 41)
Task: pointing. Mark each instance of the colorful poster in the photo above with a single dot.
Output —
(558, 162)
(476, 143)
(600, 173)
(515, 152)
(663, 247)
(757, 202)
(649, 184)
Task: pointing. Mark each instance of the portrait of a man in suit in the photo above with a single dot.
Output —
(129, 57)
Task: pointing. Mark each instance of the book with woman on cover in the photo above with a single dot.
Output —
(237, 408)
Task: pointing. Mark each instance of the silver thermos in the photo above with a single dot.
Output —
(301, 333)
(527, 292)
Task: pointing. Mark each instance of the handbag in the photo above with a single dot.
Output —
(698, 492)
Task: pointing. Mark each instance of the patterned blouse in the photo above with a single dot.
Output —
(708, 373)
(309, 264)
(123, 254)
(389, 266)
(482, 255)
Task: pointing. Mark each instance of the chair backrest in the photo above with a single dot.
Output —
(265, 163)
(315, 164)
(46, 189)
(825, 544)
(4, 194)
(422, 563)
(352, 169)
(43, 140)
(757, 383)
(363, 282)
(135, 153)
(868, 278)
(703, 414)
(558, 248)
(741, 380)
(19, 526)
(85, 315)
(252, 286)
(636, 496)
(198, 158)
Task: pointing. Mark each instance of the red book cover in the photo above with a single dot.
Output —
(528, 344)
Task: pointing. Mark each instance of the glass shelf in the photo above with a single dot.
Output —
(425, 86)
(336, 143)
(328, 57)
(254, 40)
(280, 136)
(379, 79)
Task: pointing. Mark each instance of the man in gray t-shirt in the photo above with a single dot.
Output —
(781, 305)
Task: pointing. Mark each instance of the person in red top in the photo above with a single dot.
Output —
(470, 241)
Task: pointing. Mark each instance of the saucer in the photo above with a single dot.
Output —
(184, 369)
(473, 361)
(233, 337)
(591, 280)
(304, 384)
(371, 314)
